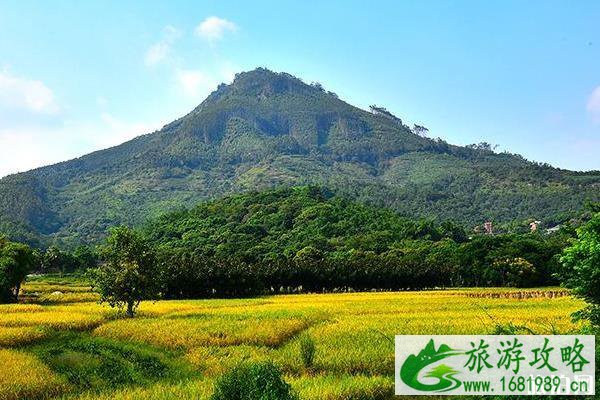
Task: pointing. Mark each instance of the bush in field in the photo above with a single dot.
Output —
(581, 271)
(307, 351)
(16, 260)
(129, 272)
(260, 381)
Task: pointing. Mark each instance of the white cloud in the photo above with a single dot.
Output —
(593, 105)
(160, 51)
(28, 110)
(116, 131)
(22, 94)
(195, 83)
(26, 147)
(35, 129)
(214, 28)
(22, 150)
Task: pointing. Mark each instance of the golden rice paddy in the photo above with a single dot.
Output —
(25, 377)
(353, 334)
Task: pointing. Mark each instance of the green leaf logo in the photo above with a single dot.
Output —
(409, 372)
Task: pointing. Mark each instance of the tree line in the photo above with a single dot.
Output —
(307, 239)
(301, 239)
(508, 260)
(17, 260)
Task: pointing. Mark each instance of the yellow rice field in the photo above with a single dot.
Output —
(353, 334)
(25, 377)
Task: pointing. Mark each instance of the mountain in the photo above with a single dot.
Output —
(267, 129)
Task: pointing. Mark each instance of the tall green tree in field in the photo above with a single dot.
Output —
(129, 271)
(581, 270)
(16, 260)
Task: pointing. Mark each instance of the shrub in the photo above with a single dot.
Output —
(307, 351)
(259, 381)
(581, 272)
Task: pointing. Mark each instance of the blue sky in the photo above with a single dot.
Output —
(79, 76)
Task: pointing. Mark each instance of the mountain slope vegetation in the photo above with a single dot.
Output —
(269, 129)
(306, 237)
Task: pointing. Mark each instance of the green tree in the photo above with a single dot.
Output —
(129, 272)
(85, 257)
(52, 259)
(57, 260)
(16, 260)
(581, 268)
(513, 272)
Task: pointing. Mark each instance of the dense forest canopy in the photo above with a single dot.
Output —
(305, 238)
(272, 224)
(270, 129)
(299, 239)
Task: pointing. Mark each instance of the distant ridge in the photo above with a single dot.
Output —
(267, 129)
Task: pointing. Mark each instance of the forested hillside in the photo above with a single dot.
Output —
(307, 237)
(268, 129)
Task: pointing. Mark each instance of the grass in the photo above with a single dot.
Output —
(70, 318)
(216, 360)
(56, 289)
(333, 387)
(96, 364)
(17, 336)
(186, 390)
(177, 349)
(25, 377)
(205, 329)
